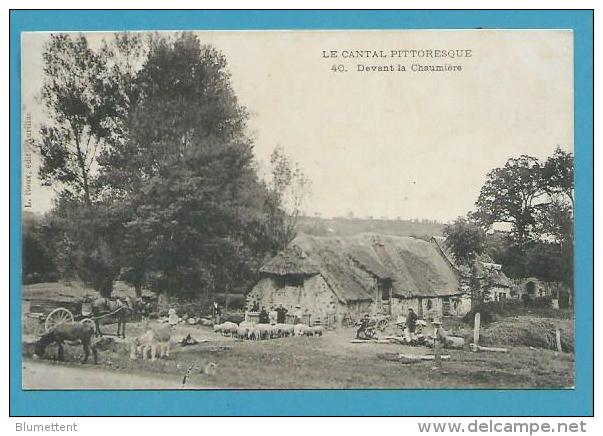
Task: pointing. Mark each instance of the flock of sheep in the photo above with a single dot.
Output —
(256, 332)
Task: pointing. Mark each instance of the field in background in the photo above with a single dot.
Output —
(351, 226)
(72, 290)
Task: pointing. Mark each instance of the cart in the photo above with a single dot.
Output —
(44, 314)
(380, 322)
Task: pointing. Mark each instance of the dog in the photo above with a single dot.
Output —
(210, 369)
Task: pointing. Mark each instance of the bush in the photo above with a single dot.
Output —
(491, 311)
(541, 302)
(235, 317)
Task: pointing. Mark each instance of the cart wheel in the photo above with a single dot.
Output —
(58, 316)
(87, 321)
(382, 324)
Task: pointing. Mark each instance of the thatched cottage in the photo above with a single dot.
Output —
(359, 274)
(492, 282)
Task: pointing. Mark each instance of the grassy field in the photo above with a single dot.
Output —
(353, 226)
(73, 290)
(332, 361)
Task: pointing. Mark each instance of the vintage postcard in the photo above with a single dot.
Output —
(298, 209)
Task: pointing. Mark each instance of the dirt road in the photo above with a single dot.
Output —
(43, 375)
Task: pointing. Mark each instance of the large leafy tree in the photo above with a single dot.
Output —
(201, 220)
(536, 198)
(182, 98)
(558, 176)
(205, 228)
(83, 110)
(465, 239)
(512, 195)
(156, 177)
(80, 109)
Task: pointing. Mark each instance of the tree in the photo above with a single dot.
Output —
(73, 93)
(183, 100)
(206, 225)
(38, 261)
(512, 194)
(290, 188)
(86, 241)
(558, 175)
(201, 220)
(537, 200)
(465, 239)
(79, 94)
(125, 55)
(168, 195)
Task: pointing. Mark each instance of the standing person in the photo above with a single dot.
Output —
(264, 317)
(439, 339)
(216, 312)
(273, 315)
(411, 321)
(172, 317)
(255, 307)
(298, 314)
(281, 314)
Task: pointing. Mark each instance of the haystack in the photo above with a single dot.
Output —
(531, 332)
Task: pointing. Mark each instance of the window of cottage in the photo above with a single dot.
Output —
(296, 281)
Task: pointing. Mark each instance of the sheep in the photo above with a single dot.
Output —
(317, 330)
(300, 329)
(253, 333)
(283, 330)
(265, 330)
(229, 328)
(242, 332)
(218, 328)
(289, 329)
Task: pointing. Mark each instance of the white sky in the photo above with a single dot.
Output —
(413, 145)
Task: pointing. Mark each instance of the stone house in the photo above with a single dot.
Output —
(363, 273)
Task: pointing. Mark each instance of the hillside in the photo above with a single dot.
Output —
(351, 226)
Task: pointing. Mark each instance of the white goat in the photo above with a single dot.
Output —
(153, 339)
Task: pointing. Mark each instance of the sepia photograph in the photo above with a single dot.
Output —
(297, 209)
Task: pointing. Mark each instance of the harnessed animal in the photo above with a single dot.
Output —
(118, 309)
(70, 332)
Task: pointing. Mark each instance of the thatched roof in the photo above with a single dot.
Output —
(483, 266)
(291, 261)
(415, 267)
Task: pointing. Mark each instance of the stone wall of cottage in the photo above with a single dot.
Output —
(315, 298)
(313, 295)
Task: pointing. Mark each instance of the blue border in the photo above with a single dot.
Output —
(577, 402)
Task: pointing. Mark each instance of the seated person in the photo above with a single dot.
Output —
(188, 340)
(418, 338)
(364, 323)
